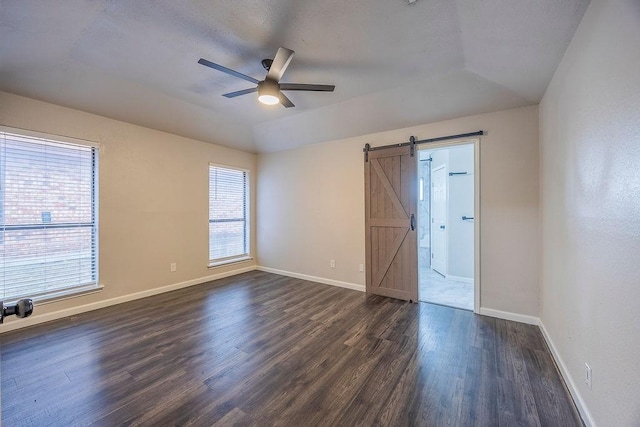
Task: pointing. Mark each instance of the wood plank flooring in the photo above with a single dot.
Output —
(262, 349)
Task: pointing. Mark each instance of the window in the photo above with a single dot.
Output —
(228, 215)
(48, 220)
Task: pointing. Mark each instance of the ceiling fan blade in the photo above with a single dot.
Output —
(240, 92)
(280, 64)
(302, 86)
(226, 70)
(285, 101)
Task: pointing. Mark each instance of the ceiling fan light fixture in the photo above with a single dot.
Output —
(269, 92)
(268, 99)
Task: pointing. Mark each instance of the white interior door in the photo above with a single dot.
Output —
(439, 202)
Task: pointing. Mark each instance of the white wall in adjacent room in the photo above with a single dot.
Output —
(461, 204)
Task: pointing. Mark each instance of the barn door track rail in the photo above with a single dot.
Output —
(412, 142)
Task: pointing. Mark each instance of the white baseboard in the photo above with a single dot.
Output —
(323, 280)
(47, 317)
(568, 379)
(461, 279)
(507, 315)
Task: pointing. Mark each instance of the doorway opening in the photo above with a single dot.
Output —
(447, 235)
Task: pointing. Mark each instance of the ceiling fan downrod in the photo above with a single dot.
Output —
(266, 63)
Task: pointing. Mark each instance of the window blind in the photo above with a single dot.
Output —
(228, 220)
(48, 224)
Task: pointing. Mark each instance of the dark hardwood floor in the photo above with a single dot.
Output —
(262, 349)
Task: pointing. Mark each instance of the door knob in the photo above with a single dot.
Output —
(22, 308)
(442, 227)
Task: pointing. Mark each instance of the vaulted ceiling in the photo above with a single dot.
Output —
(394, 64)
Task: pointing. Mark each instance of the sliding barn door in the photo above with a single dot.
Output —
(390, 207)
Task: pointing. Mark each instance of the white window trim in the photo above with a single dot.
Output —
(228, 261)
(63, 294)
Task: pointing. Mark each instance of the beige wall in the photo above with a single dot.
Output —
(153, 203)
(590, 180)
(311, 206)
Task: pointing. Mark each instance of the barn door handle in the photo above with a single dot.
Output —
(413, 222)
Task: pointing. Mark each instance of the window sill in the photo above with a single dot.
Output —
(65, 294)
(229, 261)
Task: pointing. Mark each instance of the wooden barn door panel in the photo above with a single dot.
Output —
(391, 239)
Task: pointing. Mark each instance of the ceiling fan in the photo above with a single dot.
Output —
(270, 89)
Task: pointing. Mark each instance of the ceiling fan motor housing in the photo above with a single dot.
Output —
(268, 86)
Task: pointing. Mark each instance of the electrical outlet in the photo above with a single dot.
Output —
(173, 266)
(332, 263)
(361, 268)
(587, 375)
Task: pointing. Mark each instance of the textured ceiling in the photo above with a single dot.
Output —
(393, 64)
